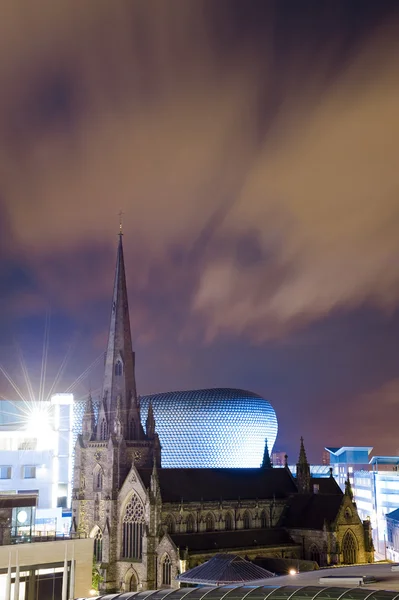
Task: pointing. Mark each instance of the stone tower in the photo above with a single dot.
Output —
(303, 471)
(109, 445)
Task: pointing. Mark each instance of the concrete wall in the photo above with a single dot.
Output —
(41, 555)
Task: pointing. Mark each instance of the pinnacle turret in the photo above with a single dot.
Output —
(88, 422)
(266, 462)
(303, 471)
(150, 422)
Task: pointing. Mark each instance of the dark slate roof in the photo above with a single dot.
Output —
(224, 540)
(224, 568)
(309, 511)
(191, 485)
(327, 485)
(394, 515)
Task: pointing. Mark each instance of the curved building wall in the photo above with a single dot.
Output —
(219, 427)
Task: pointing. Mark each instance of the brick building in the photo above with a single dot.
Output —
(150, 523)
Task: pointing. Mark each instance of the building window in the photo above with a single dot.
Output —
(228, 522)
(170, 524)
(209, 524)
(190, 524)
(166, 571)
(98, 478)
(263, 519)
(132, 529)
(28, 444)
(247, 520)
(29, 472)
(98, 546)
(103, 429)
(118, 368)
(5, 472)
(349, 549)
(314, 554)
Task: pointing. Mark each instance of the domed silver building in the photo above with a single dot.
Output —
(219, 427)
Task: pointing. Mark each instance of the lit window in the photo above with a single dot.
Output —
(29, 472)
(5, 472)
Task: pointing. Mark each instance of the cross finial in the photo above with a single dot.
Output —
(121, 213)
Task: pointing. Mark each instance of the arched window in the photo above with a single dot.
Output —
(132, 430)
(314, 554)
(103, 429)
(132, 529)
(166, 571)
(348, 513)
(170, 524)
(98, 546)
(228, 522)
(246, 520)
(349, 549)
(98, 478)
(263, 519)
(118, 368)
(190, 524)
(209, 523)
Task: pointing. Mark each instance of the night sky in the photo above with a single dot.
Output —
(253, 147)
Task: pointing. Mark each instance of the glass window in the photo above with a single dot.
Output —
(5, 472)
(29, 472)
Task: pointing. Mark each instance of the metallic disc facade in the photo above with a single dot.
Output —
(219, 427)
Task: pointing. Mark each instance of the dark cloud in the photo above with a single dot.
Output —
(252, 147)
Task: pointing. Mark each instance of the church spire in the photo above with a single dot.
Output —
(303, 471)
(119, 376)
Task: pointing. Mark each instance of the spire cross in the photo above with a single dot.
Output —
(121, 213)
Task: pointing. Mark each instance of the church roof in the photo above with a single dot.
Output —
(224, 568)
(235, 539)
(191, 485)
(326, 485)
(310, 511)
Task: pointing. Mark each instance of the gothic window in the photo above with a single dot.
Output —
(228, 522)
(209, 523)
(314, 554)
(98, 546)
(349, 549)
(132, 430)
(98, 478)
(133, 528)
(118, 368)
(170, 524)
(246, 520)
(190, 524)
(166, 571)
(103, 429)
(263, 519)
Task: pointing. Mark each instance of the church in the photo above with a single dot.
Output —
(150, 524)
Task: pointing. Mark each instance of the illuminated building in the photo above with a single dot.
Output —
(149, 523)
(36, 454)
(212, 428)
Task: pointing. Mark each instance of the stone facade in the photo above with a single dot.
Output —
(150, 523)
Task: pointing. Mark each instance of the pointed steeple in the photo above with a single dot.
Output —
(119, 375)
(150, 422)
(303, 471)
(266, 462)
(88, 423)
